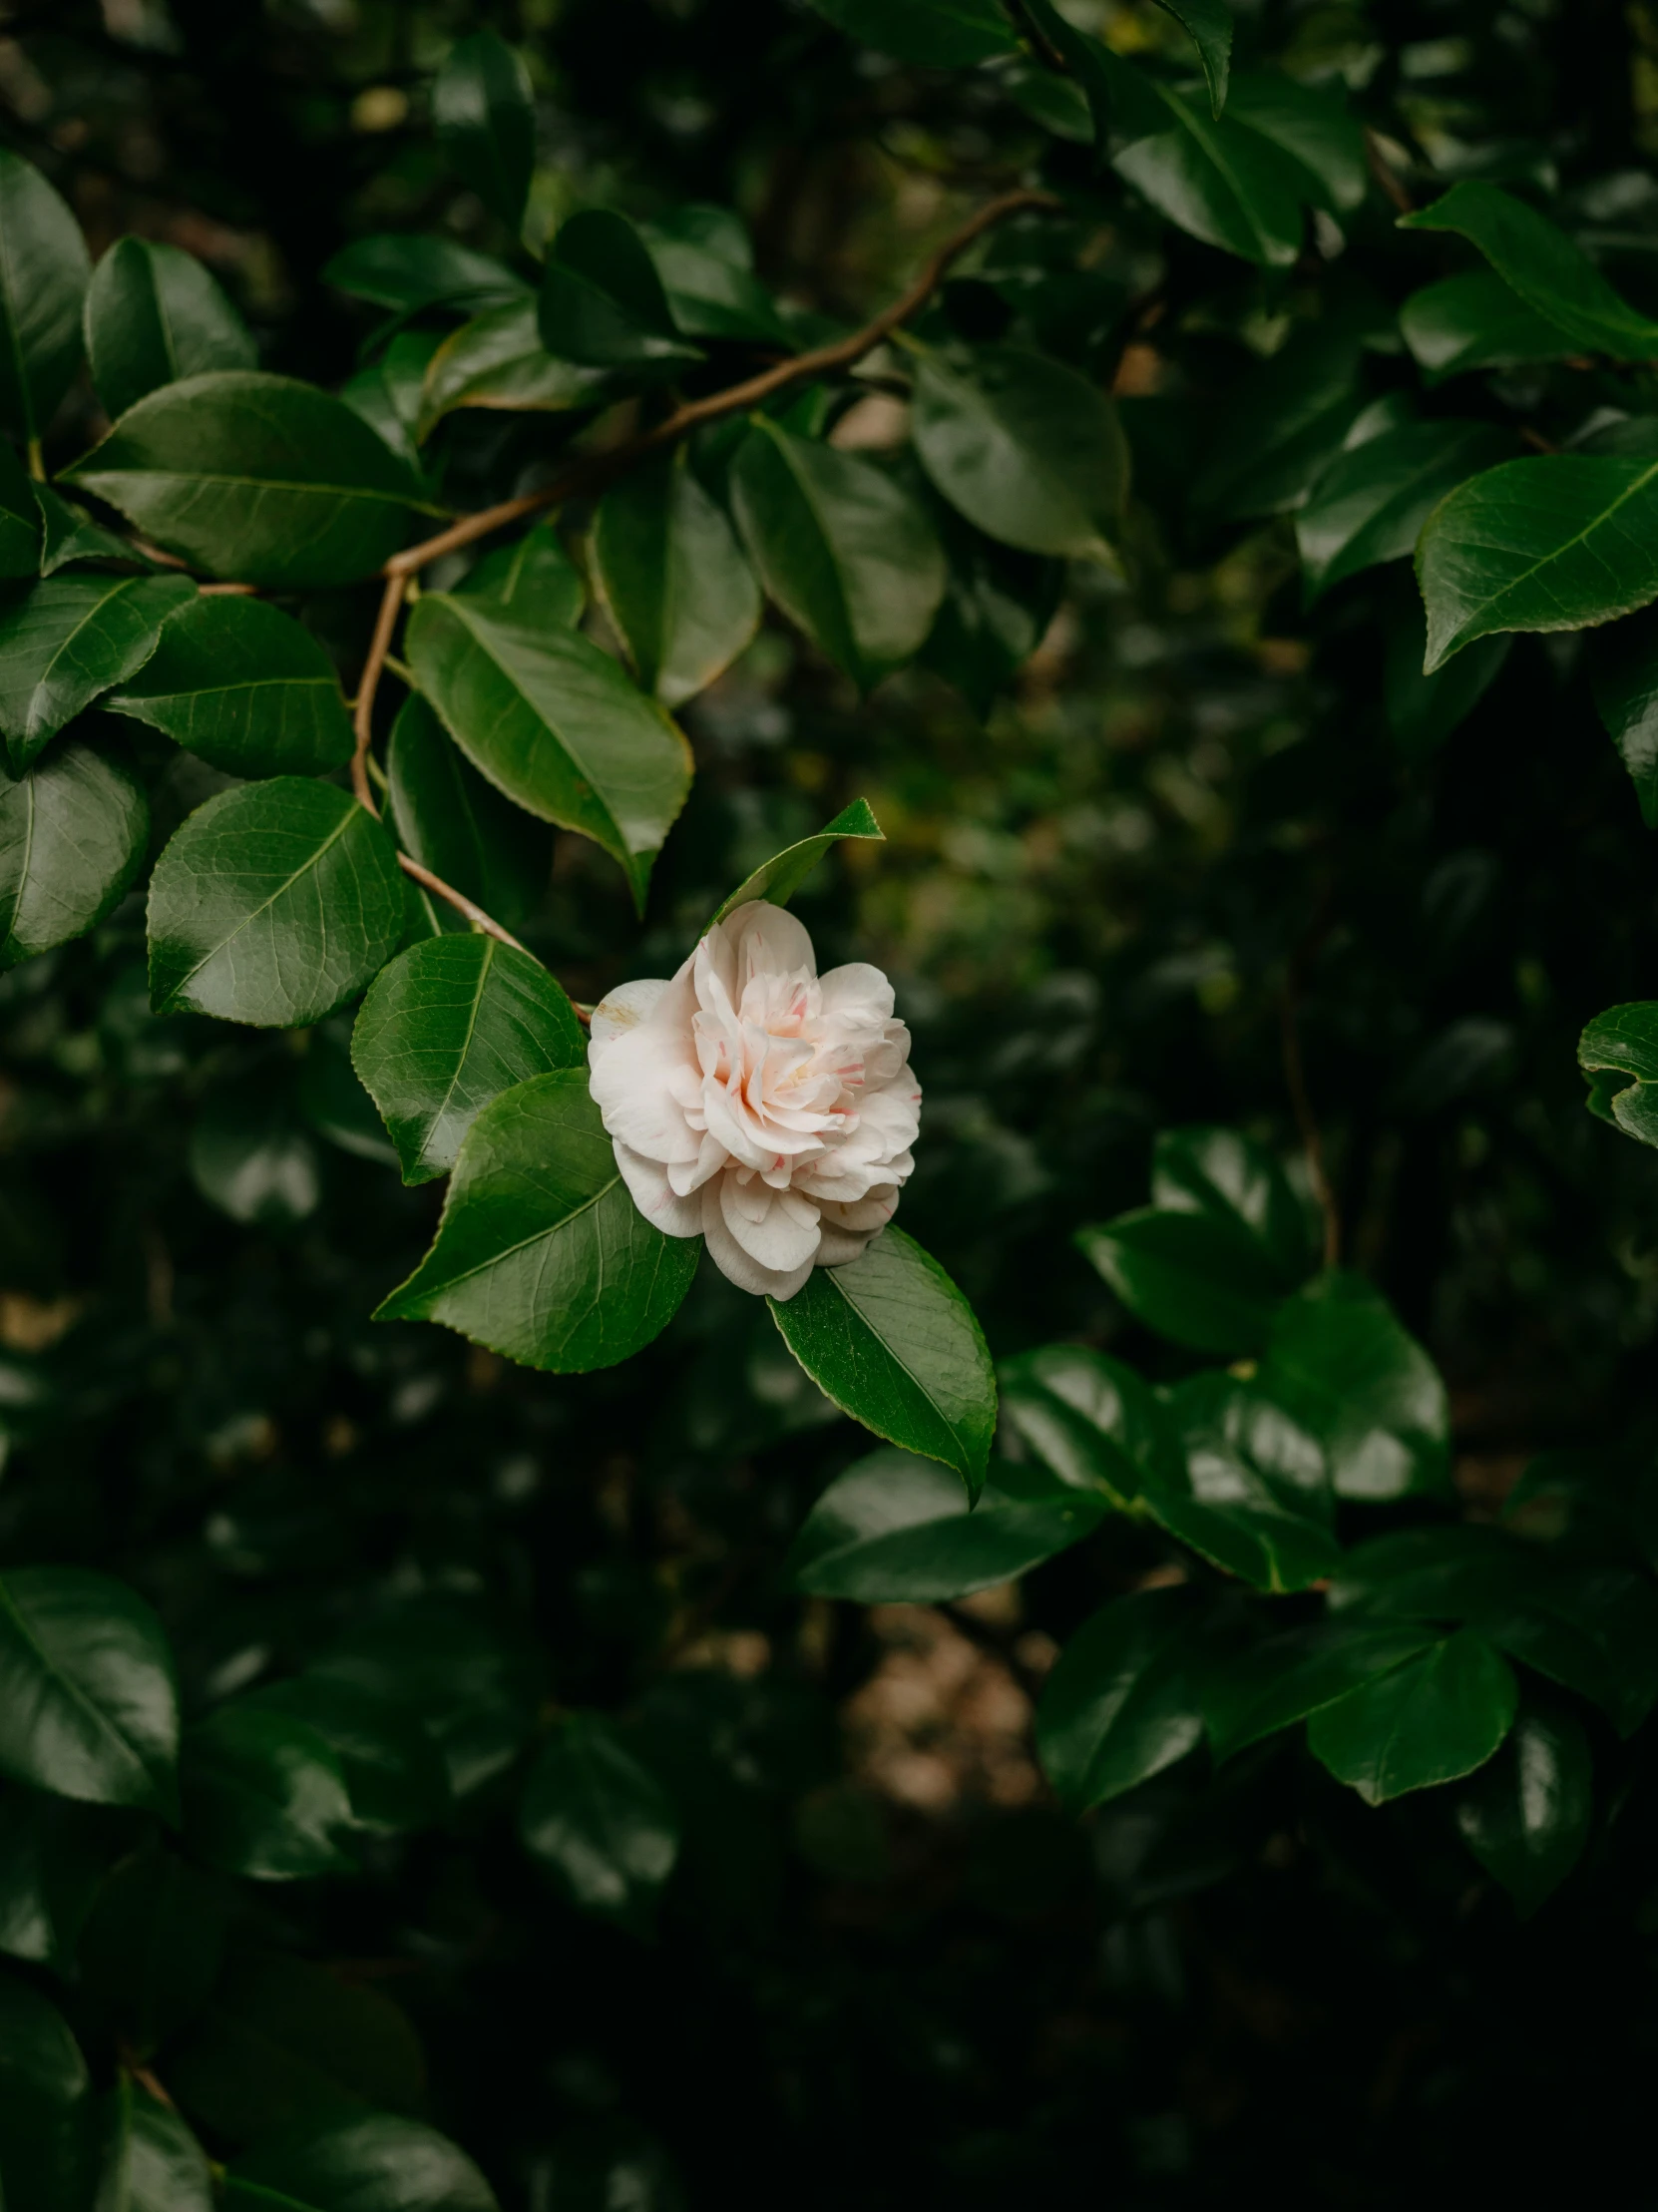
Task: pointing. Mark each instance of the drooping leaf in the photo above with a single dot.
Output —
(674, 577)
(542, 1254)
(601, 300)
(154, 314)
(258, 478)
(1093, 1421)
(265, 1794)
(895, 1528)
(394, 1771)
(245, 687)
(69, 639)
(486, 121)
(1290, 1677)
(152, 1947)
(1474, 322)
(1623, 671)
(1527, 1813)
(448, 1027)
(779, 878)
(72, 837)
(1122, 1703)
(407, 273)
(1619, 1053)
(375, 2165)
(151, 2162)
(20, 521)
(1423, 710)
(841, 547)
(272, 904)
(1208, 24)
(601, 1823)
(1431, 1719)
(1342, 1365)
(1195, 1277)
(1371, 503)
(46, 2141)
(44, 266)
(454, 823)
(942, 34)
(555, 724)
(892, 1341)
(498, 360)
(88, 1707)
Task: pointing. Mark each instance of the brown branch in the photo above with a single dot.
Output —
(391, 600)
(459, 901)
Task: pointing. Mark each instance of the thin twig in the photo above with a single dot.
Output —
(391, 600)
(459, 901)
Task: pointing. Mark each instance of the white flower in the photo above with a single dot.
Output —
(757, 1103)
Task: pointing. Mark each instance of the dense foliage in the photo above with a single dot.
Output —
(1140, 518)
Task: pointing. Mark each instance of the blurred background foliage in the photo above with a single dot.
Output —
(888, 1968)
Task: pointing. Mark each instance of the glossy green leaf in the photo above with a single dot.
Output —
(152, 1947)
(70, 640)
(996, 610)
(1283, 423)
(45, 2143)
(154, 314)
(1123, 1702)
(1341, 1364)
(841, 547)
(540, 1253)
(486, 121)
(601, 300)
(271, 905)
(390, 393)
(498, 360)
(88, 1707)
(1229, 1178)
(1475, 322)
(1371, 503)
(1527, 1813)
(249, 1154)
(450, 819)
(555, 724)
(150, 2160)
(72, 830)
(1026, 448)
(711, 288)
(600, 1823)
(1311, 127)
(1556, 542)
(1433, 1720)
(1191, 1276)
(245, 687)
(69, 535)
(779, 878)
(1254, 1498)
(44, 266)
(265, 1794)
(1550, 273)
(55, 1858)
(1093, 1421)
(678, 589)
(1623, 671)
(532, 580)
(897, 1530)
(1423, 710)
(20, 521)
(1208, 24)
(892, 1341)
(1619, 1053)
(942, 34)
(1255, 1693)
(374, 2164)
(394, 1771)
(258, 478)
(448, 1027)
(406, 272)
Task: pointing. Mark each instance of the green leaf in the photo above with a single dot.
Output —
(1208, 24)
(1433, 1720)
(897, 1530)
(72, 830)
(1026, 448)
(1475, 322)
(455, 823)
(88, 1707)
(779, 878)
(1093, 1421)
(393, 1769)
(1552, 274)
(1619, 1053)
(555, 724)
(44, 266)
(892, 1341)
(1311, 128)
(245, 687)
(150, 2160)
(843, 549)
(448, 1027)
(334, 1102)
(249, 1156)
(711, 288)
(600, 1824)
(601, 300)
(1195, 1277)
(1340, 1363)
(70, 640)
(69, 535)
(542, 1254)
(1526, 1816)
(254, 477)
(1423, 710)
(486, 121)
(288, 2044)
(154, 314)
(1123, 1702)
(498, 360)
(533, 580)
(941, 34)
(20, 523)
(408, 274)
(1623, 672)
(1281, 1682)
(55, 1858)
(152, 1947)
(1255, 1495)
(265, 1794)
(677, 588)
(1229, 1178)
(997, 607)
(45, 2093)
(1371, 503)
(390, 394)
(374, 2164)
(1282, 424)
(272, 904)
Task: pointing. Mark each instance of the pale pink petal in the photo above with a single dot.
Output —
(840, 1246)
(621, 1010)
(777, 1228)
(857, 994)
(738, 1266)
(674, 1216)
(767, 939)
(633, 1086)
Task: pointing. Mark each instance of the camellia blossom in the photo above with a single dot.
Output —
(757, 1103)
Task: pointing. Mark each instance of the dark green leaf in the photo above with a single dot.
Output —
(458, 825)
(408, 274)
(72, 836)
(1194, 1277)
(1255, 1495)
(486, 121)
(943, 34)
(152, 1947)
(1094, 1422)
(249, 1156)
(1123, 1702)
(1433, 1720)
(69, 535)
(1283, 422)
(555, 724)
(1208, 24)
(265, 1794)
(449, 1026)
(1340, 1363)
(600, 1823)
(1623, 669)
(245, 687)
(1527, 1814)
(602, 301)
(1371, 503)
(334, 1102)
(842, 549)
(996, 610)
(896, 1530)
(711, 287)
(258, 478)
(542, 1254)
(88, 1703)
(674, 577)
(498, 360)
(533, 580)
(391, 394)
(393, 1769)
(1311, 127)
(1288, 1677)
(44, 266)
(1230, 1178)
(55, 1857)
(1423, 710)
(150, 2160)
(892, 1341)
(779, 878)
(45, 2100)
(374, 2164)
(271, 905)
(20, 524)
(1474, 322)
(69, 639)
(1619, 1053)
(154, 314)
